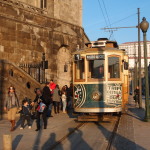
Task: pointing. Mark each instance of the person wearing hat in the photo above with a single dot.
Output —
(11, 104)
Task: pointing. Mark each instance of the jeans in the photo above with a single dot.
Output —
(70, 102)
(64, 105)
(44, 116)
(49, 111)
(25, 117)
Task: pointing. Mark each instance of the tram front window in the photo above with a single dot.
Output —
(113, 67)
(79, 70)
(96, 69)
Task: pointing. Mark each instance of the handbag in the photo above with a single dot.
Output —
(41, 107)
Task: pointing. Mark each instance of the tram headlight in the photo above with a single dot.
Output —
(96, 95)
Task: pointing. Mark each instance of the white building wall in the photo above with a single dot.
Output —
(132, 51)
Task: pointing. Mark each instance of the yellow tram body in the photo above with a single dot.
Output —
(100, 78)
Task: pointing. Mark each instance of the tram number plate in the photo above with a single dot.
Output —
(95, 57)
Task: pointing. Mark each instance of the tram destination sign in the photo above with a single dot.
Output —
(95, 57)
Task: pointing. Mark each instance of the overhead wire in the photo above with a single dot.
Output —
(122, 19)
(107, 21)
(102, 12)
(111, 31)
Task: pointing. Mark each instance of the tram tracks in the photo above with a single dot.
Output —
(67, 135)
(80, 125)
(112, 137)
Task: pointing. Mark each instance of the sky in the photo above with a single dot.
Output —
(118, 13)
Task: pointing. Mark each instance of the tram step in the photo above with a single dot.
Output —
(90, 118)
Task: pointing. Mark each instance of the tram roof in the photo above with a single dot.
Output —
(98, 49)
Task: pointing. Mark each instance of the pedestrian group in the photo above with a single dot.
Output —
(47, 98)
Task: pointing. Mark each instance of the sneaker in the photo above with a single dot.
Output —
(21, 128)
(29, 127)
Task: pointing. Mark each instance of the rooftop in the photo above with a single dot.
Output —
(135, 42)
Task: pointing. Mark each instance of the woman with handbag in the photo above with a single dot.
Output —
(11, 104)
(41, 109)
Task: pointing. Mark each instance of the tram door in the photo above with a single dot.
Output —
(125, 84)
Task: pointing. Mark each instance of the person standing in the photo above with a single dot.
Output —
(41, 109)
(11, 104)
(26, 114)
(136, 96)
(70, 95)
(52, 86)
(56, 99)
(48, 98)
(64, 101)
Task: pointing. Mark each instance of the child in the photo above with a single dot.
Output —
(64, 101)
(25, 114)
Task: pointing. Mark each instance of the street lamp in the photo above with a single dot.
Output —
(144, 27)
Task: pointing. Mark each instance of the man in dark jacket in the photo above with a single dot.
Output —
(48, 98)
(40, 99)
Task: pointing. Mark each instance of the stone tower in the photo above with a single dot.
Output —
(31, 28)
(67, 10)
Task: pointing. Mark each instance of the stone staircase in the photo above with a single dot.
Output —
(12, 75)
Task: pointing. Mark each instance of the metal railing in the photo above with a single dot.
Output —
(34, 70)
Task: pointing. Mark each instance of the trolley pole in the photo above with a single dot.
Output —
(139, 61)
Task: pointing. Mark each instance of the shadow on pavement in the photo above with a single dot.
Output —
(18, 123)
(48, 145)
(16, 141)
(37, 140)
(136, 113)
(119, 142)
(76, 140)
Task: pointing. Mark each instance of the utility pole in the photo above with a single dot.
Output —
(135, 68)
(139, 61)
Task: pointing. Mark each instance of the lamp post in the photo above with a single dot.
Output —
(144, 27)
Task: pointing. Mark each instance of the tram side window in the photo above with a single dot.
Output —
(79, 70)
(96, 69)
(113, 67)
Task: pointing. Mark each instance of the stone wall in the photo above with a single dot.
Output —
(68, 10)
(26, 32)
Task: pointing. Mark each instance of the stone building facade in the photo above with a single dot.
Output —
(66, 10)
(27, 31)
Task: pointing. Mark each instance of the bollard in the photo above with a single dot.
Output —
(7, 142)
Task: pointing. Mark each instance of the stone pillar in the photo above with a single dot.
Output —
(7, 142)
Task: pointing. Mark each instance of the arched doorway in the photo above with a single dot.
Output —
(64, 76)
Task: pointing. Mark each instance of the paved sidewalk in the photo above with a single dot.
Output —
(133, 133)
(29, 139)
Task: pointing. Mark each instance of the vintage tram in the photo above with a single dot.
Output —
(100, 78)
